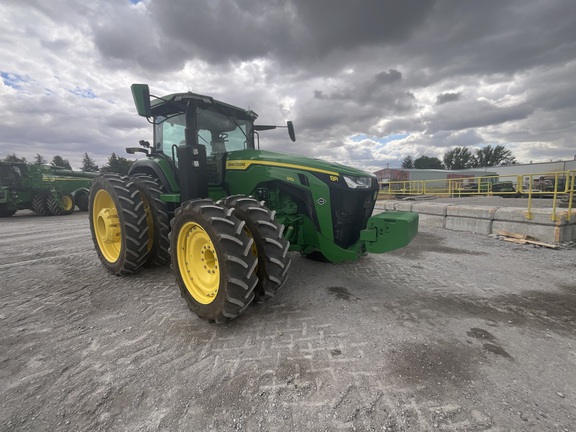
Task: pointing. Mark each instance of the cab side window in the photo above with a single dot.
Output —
(172, 135)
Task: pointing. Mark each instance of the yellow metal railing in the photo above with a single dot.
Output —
(559, 186)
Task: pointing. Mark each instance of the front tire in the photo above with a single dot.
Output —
(39, 204)
(271, 248)
(212, 257)
(118, 224)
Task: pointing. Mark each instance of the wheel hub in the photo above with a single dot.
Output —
(108, 225)
(67, 203)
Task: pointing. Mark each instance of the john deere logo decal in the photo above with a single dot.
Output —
(321, 201)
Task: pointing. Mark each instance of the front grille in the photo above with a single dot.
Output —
(350, 212)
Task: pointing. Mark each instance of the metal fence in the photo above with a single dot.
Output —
(558, 186)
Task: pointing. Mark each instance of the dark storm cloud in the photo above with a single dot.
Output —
(127, 39)
(399, 125)
(376, 89)
(491, 36)
(476, 114)
(360, 103)
(332, 25)
(447, 97)
(220, 31)
(443, 36)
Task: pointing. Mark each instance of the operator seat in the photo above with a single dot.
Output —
(218, 146)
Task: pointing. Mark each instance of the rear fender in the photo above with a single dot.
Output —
(80, 192)
(159, 169)
(389, 230)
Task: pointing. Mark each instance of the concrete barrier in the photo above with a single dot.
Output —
(492, 220)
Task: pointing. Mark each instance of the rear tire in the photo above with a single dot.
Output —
(212, 257)
(82, 201)
(271, 248)
(156, 218)
(60, 204)
(39, 204)
(118, 224)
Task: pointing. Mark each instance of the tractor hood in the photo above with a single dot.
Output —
(242, 159)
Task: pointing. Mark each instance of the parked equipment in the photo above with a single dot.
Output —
(490, 185)
(45, 189)
(226, 213)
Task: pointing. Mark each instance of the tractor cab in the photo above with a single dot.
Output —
(11, 174)
(218, 128)
(194, 134)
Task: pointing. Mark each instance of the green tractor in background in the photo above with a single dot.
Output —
(225, 213)
(46, 190)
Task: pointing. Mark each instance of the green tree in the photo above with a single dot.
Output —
(117, 164)
(60, 162)
(427, 162)
(492, 156)
(13, 158)
(88, 164)
(408, 162)
(39, 159)
(459, 158)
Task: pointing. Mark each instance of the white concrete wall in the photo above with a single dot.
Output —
(492, 220)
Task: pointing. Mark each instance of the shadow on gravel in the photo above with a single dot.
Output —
(341, 293)
(433, 362)
(545, 311)
(425, 242)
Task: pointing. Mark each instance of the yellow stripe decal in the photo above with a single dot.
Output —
(53, 179)
(245, 164)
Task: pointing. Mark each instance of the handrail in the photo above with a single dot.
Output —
(558, 185)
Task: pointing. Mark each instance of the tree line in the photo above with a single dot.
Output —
(116, 164)
(462, 157)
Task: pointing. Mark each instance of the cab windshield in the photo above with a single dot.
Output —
(9, 175)
(217, 132)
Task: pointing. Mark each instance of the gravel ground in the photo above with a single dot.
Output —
(456, 332)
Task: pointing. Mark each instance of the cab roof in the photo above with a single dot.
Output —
(177, 101)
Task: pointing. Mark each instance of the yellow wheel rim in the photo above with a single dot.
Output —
(107, 226)
(198, 263)
(66, 202)
(149, 222)
(253, 248)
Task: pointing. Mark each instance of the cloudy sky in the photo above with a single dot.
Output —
(366, 82)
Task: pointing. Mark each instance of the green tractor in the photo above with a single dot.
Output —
(44, 189)
(225, 213)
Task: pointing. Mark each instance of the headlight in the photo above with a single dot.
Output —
(358, 182)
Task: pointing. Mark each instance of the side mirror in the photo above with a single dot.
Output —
(133, 150)
(290, 127)
(141, 95)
